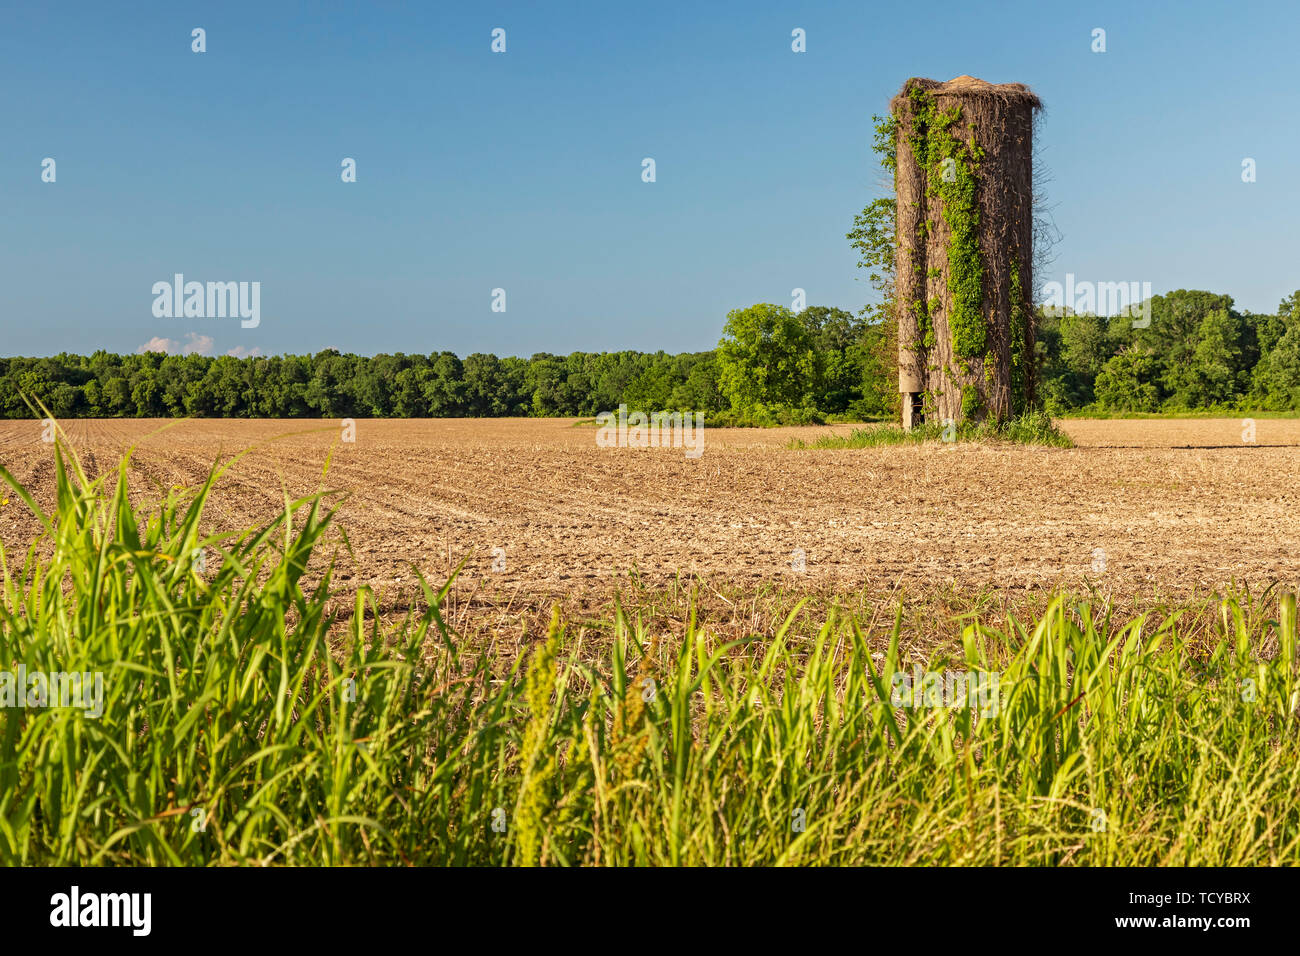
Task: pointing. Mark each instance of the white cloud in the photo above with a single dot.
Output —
(194, 344)
(157, 344)
(198, 344)
(240, 352)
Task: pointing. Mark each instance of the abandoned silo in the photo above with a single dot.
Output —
(964, 251)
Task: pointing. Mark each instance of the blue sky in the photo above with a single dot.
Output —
(522, 170)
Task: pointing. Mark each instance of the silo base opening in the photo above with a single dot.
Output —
(913, 410)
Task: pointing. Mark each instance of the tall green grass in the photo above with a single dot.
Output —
(245, 722)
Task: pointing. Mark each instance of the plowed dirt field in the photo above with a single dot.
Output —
(540, 511)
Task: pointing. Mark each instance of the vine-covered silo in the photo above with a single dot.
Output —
(964, 250)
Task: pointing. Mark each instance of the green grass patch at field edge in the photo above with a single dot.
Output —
(1034, 428)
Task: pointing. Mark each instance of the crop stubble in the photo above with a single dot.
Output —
(1174, 506)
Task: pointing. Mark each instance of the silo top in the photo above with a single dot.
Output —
(969, 87)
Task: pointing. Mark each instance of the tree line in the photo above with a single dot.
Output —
(772, 366)
(825, 379)
(1198, 352)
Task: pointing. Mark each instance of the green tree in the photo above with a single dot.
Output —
(837, 338)
(1277, 376)
(1176, 319)
(1073, 348)
(444, 391)
(1127, 382)
(487, 391)
(1213, 373)
(766, 358)
(872, 237)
